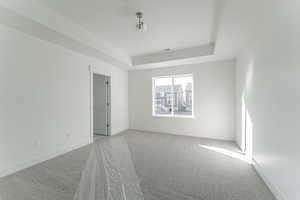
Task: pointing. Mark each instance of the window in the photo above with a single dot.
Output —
(172, 96)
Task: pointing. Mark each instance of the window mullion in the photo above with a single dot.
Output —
(153, 97)
(172, 91)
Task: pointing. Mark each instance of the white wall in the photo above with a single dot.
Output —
(214, 101)
(45, 99)
(268, 79)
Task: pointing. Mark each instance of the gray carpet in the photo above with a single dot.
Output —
(168, 167)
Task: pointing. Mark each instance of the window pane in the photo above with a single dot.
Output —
(183, 97)
(163, 96)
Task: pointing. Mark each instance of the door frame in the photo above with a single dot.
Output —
(108, 100)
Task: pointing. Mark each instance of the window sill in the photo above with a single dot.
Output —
(175, 116)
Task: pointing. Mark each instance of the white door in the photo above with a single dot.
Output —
(100, 101)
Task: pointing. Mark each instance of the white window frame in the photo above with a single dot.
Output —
(172, 115)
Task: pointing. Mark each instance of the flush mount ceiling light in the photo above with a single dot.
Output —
(140, 25)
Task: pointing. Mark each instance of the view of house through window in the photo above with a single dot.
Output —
(173, 95)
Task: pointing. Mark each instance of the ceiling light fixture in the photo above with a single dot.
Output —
(140, 25)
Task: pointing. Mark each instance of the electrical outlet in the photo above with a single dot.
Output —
(38, 144)
(68, 135)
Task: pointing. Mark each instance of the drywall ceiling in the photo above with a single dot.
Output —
(39, 21)
(196, 31)
(174, 24)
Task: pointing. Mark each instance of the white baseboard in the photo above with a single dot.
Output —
(177, 134)
(119, 132)
(40, 159)
(277, 193)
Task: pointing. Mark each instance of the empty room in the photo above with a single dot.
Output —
(149, 100)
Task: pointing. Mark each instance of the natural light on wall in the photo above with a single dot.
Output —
(172, 96)
(247, 128)
(249, 136)
(247, 139)
(247, 124)
(226, 152)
